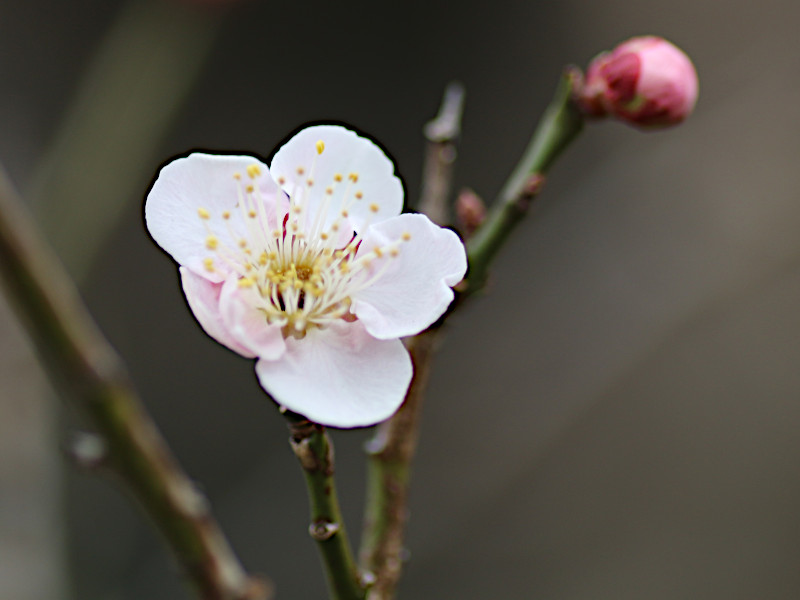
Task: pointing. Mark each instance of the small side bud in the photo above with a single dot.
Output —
(88, 450)
(646, 82)
(470, 211)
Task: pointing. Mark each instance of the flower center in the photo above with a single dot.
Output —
(299, 264)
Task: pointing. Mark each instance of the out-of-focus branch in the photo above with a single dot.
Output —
(440, 155)
(391, 451)
(314, 450)
(107, 140)
(84, 367)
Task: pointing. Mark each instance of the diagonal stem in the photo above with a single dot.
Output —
(558, 127)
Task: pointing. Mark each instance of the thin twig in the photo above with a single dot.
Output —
(314, 450)
(392, 449)
(85, 368)
(390, 454)
(440, 155)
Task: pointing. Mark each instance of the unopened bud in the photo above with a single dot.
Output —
(645, 81)
(470, 211)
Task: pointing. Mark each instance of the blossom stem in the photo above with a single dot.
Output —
(558, 127)
(83, 366)
(314, 450)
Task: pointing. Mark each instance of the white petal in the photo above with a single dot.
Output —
(345, 153)
(203, 298)
(248, 325)
(339, 376)
(414, 291)
(203, 181)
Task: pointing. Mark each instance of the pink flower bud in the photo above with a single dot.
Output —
(646, 81)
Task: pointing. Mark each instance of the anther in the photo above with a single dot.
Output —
(237, 176)
(251, 214)
(310, 182)
(374, 207)
(300, 170)
(353, 177)
(226, 215)
(253, 171)
(208, 263)
(246, 282)
(320, 146)
(281, 180)
(203, 213)
(338, 177)
(345, 214)
(249, 189)
(329, 190)
(359, 195)
(406, 236)
(212, 242)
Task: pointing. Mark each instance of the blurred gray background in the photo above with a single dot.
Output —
(617, 418)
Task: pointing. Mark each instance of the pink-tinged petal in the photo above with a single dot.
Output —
(367, 175)
(246, 324)
(203, 297)
(339, 376)
(204, 183)
(414, 290)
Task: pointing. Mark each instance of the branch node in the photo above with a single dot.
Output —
(323, 530)
(304, 453)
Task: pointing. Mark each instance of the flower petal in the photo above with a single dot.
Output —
(339, 376)
(247, 325)
(414, 290)
(349, 156)
(205, 183)
(203, 297)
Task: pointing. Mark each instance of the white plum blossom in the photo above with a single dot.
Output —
(309, 267)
